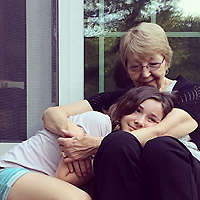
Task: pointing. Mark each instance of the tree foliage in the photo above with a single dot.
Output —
(113, 15)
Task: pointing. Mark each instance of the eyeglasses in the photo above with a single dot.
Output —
(149, 66)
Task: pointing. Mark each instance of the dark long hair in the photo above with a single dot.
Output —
(130, 101)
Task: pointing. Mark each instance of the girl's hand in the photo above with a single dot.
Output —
(83, 167)
(80, 167)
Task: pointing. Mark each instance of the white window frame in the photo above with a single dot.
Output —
(71, 51)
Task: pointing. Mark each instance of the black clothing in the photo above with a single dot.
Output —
(188, 99)
(122, 177)
(103, 101)
(164, 169)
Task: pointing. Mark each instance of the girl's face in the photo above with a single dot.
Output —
(149, 113)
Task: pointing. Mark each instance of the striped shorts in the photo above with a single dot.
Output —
(8, 176)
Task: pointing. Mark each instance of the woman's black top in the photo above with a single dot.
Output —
(187, 98)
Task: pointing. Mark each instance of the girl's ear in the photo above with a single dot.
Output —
(116, 126)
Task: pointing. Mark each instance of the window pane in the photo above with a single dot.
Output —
(110, 57)
(91, 18)
(91, 71)
(12, 70)
(115, 75)
(186, 58)
(54, 52)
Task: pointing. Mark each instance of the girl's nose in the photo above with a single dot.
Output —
(140, 121)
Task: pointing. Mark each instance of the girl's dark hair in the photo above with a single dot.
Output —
(130, 101)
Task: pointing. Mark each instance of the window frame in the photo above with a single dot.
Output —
(71, 46)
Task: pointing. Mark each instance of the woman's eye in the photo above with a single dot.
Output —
(133, 67)
(153, 64)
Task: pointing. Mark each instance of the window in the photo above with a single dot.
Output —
(13, 96)
(26, 68)
(105, 21)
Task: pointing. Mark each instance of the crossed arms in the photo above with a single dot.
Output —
(177, 123)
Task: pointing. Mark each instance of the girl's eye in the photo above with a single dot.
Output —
(153, 120)
(138, 110)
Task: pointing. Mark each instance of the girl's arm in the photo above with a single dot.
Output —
(55, 118)
(177, 123)
(64, 174)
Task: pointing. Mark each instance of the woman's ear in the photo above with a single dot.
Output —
(167, 71)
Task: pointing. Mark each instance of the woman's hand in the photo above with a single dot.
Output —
(79, 147)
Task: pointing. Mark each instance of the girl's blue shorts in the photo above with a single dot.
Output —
(8, 176)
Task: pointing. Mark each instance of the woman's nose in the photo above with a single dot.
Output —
(145, 72)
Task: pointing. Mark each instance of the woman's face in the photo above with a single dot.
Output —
(149, 113)
(147, 75)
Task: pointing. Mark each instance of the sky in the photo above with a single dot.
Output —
(190, 7)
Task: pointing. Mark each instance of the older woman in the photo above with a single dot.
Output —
(144, 163)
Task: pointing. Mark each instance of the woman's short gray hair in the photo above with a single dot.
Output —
(145, 40)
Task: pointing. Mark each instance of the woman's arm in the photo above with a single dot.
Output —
(64, 174)
(177, 123)
(55, 118)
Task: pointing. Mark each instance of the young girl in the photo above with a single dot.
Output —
(33, 169)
